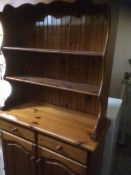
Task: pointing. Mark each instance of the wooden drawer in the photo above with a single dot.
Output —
(52, 158)
(63, 148)
(17, 130)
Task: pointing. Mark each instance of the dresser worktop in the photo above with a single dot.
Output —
(68, 125)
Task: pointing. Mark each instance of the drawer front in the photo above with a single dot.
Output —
(63, 148)
(69, 165)
(17, 130)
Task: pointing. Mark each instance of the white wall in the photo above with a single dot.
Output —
(122, 49)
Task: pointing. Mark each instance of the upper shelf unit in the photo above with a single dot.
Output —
(82, 29)
(55, 52)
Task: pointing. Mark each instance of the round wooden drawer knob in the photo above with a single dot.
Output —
(14, 130)
(59, 148)
(32, 158)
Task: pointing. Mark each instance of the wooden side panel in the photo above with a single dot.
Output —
(95, 160)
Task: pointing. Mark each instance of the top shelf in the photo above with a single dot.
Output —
(54, 51)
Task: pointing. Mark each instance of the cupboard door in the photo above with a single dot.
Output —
(18, 155)
(51, 163)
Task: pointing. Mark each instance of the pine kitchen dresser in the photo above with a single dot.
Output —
(54, 122)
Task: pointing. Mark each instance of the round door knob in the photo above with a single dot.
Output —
(39, 160)
(32, 158)
(59, 148)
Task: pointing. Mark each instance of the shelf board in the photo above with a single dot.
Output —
(73, 126)
(59, 84)
(54, 51)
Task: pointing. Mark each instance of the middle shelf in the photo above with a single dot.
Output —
(56, 51)
(59, 84)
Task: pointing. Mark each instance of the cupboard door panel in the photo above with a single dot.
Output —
(52, 163)
(54, 168)
(18, 155)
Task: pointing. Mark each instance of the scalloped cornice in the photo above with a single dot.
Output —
(17, 3)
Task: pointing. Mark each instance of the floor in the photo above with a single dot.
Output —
(122, 162)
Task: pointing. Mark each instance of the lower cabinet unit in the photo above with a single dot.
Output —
(22, 157)
(18, 155)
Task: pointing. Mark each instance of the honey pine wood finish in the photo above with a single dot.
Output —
(18, 153)
(55, 118)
